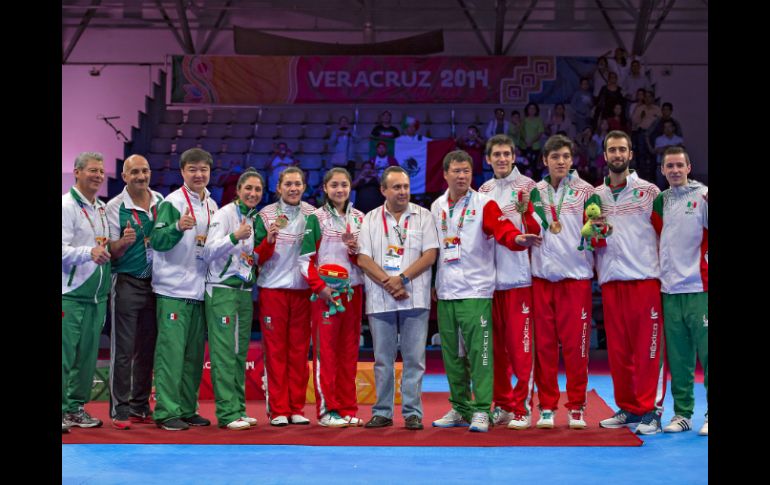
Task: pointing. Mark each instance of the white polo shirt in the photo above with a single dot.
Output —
(419, 233)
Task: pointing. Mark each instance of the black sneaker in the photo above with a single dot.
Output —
(378, 422)
(413, 422)
(174, 424)
(83, 420)
(197, 420)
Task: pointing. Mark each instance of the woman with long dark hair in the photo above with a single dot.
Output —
(329, 249)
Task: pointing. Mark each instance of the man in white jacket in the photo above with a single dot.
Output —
(85, 284)
(629, 273)
(178, 280)
(681, 217)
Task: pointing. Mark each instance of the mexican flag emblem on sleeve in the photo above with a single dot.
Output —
(173, 316)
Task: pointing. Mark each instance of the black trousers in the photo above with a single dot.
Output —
(132, 345)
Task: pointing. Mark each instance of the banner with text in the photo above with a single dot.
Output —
(255, 80)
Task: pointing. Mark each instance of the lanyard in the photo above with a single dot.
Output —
(397, 228)
(192, 211)
(139, 222)
(102, 215)
(444, 226)
(556, 211)
(343, 220)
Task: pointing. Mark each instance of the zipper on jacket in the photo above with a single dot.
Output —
(72, 274)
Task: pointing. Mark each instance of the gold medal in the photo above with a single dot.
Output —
(555, 227)
(282, 221)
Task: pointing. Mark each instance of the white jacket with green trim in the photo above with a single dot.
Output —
(176, 272)
(81, 278)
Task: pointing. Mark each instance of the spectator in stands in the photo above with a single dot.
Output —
(618, 119)
(367, 187)
(384, 131)
(601, 75)
(381, 160)
(656, 129)
(599, 137)
(668, 139)
(284, 302)
(229, 253)
(85, 276)
(643, 117)
(473, 144)
(342, 143)
(131, 216)
(282, 159)
(515, 129)
(411, 127)
(178, 280)
(637, 102)
(587, 150)
(634, 81)
(398, 295)
(560, 122)
(229, 182)
(619, 63)
(609, 96)
(498, 125)
(533, 130)
(582, 105)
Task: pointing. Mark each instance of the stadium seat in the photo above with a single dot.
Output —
(160, 145)
(173, 116)
(200, 116)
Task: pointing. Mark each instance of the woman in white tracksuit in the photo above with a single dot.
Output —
(230, 255)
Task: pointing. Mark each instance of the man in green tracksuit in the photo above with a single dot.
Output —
(680, 215)
(468, 225)
(85, 284)
(178, 279)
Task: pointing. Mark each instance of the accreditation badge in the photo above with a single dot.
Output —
(451, 249)
(200, 242)
(393, 256)
(245, 263)
(148, 250)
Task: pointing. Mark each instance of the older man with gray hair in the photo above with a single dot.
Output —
(85, 283)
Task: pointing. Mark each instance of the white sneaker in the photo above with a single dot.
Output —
(704, 431)
(332, 420)
(547, 418)
(501, 416)
(451, 419)
(250, 420)
(279, 421)
(299, 419)
(520, 421)
(577, 419)
(353, 421)
(479, 422)
(238, 425)
(678, 424)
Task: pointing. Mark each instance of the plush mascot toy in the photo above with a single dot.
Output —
(337, 278)
(590, 230)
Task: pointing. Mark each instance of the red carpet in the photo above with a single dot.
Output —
(435, 405)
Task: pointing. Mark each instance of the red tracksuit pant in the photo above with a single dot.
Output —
(284, 317)
(512, 341)
(633, 321)
(335, 355)
(562, 315)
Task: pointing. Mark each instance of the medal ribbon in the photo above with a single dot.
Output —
(192, 211)
(555, 211)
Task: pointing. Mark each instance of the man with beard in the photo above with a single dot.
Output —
(628, 270)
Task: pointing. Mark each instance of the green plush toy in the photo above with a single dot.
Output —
(591, 230)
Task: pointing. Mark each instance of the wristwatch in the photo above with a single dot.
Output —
(404, 279)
